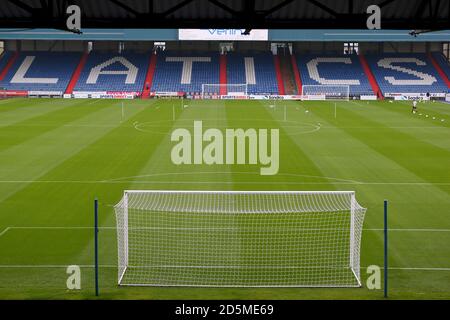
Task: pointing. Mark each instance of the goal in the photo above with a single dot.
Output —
(326, 92)
(217, 90)
(239, 238)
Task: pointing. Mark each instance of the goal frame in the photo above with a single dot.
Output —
(226, 86)
(323, 97)
(354, 261)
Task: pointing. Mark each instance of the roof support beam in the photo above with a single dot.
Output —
(176, 7)
(436, 9)
(125, 7)
(350, 6)
(277, 7)
(22, 6)
(150, 7)
(426, 14)
(385, 3)
(420, 9)
(223, 7)
(323, 7)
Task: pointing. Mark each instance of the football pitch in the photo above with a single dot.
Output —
(57, 156)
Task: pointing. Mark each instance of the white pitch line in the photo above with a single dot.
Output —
(131, 179)
(53, 266)
(59, 227)
(411, 230)
(143, 228)
(227, 173)
(4, 231)
(18, 266)
(419, 269)
(227, 182)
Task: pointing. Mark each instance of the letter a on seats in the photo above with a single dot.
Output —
(131, 71)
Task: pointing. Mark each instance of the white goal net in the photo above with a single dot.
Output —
(326, 92)
(239, 238)
(216, 90)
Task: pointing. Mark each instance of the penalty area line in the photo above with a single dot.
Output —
(55, 227)
(409, 229)
(5, 231)
(43, 266)
(224, 182)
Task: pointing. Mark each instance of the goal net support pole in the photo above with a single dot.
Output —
(239, 238)
(122, 228)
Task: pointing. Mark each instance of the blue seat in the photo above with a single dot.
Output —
(442, 62)
(346, 70)
(4, 58)
(265, 75)
(52, 65)
(169, 68)
(406, 73)
(114, 81)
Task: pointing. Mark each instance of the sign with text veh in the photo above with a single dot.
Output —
(223, 34)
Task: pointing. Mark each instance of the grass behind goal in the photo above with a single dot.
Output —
(56, 156)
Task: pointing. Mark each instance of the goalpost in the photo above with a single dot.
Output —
(326, 92)
(210, 90)
(239, 238)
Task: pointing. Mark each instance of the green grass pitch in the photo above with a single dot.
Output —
(57, 155)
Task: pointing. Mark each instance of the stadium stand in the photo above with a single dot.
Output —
(406, 73)
(369, 74)
(334, 70)
(184, 72)
(442, 66)
(76, 74)
(149, 77)
(113, 72)
(296, 72)
(4, 59)
(167, 71)
(279, 74)
(223, 74)
(257, 70)
(41, 71)
(289, 84)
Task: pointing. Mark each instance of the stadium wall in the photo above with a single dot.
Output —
(277, 35)
(45, 45)
(242, 47)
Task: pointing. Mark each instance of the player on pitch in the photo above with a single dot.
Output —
(414, 108)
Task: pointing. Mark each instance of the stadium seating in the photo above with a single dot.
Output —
(442, 62)
(181, 72)
(204, 69)
(186, 72)
(260, 75)
(405, 73)
(113, 72)
(4, 58)
(41, 71)
(334, 70)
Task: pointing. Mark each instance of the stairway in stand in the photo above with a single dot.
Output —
(287, 74)
(149, 77)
